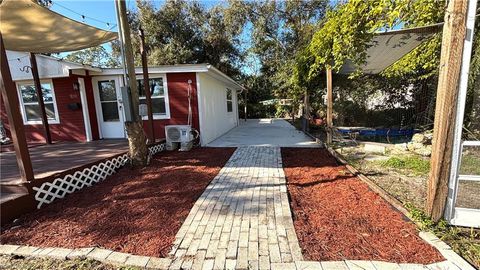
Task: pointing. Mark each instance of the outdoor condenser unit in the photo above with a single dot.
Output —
(179, 135)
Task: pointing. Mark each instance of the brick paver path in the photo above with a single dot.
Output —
(243, 219)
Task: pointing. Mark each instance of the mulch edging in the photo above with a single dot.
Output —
(135, 211)
(338, 217)
(428, 237)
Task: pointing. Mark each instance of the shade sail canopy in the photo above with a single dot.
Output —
(388, 47)
(29, 27)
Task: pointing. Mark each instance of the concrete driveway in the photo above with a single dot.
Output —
(264, 132)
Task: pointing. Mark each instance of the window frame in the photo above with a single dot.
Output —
(22, 104)
(229, 100)
(165, 96)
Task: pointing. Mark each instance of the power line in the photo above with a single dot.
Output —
(83, 16)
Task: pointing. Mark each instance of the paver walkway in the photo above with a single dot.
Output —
(264, 132)
(243, 218)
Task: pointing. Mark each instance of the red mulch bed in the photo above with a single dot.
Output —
(135, 211)
(337, 216)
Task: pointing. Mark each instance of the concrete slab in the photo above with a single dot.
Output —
(264, 132)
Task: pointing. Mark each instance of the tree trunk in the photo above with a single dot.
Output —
(137, 141)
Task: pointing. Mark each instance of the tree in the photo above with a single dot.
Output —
(185, 32)
(345, 34)
(95, 56)
(280, 31)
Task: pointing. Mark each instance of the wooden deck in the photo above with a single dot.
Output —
(58, 157)
(55, 158)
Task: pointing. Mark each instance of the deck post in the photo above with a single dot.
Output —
(146, 85)
(15, 121)
(447, 92)
(329, 106)
(41, 104)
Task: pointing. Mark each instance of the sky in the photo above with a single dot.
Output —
(99, 10)
(102, 14)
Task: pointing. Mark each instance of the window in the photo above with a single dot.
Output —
(29, 103)
(159, 97)
(108, 100)
(229, 101)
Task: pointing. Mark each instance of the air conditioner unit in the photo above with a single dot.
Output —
(179, 134)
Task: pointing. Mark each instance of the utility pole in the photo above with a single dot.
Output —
(447, 92)
(146, 85)
(137, 141)
(41, 104)
(329, 106)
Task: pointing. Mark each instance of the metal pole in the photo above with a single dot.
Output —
(329, 106)
(245, 101)
(12, 106)
(41, 104)
(146, 85)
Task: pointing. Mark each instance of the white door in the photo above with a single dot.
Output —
(109, 107)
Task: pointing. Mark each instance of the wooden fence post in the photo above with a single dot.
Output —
(447, 92)
(41, 104)
(146, 86)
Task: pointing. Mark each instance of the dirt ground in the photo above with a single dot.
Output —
(407, 186)
(337, 217)
(134, 211)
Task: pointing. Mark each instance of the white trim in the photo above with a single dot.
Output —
(86, 116)
(183, 68)
(98, 106)
(186, 68)
(22, 105)
(199, 107)
(165, 96)
(466, 217)
(227, 100)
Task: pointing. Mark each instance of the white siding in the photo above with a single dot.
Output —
(212, 102)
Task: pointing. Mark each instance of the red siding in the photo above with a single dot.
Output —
(71, 126)
(177, 84)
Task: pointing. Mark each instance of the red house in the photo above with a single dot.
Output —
(85, 103)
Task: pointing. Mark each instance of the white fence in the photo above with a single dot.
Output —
(67, 184)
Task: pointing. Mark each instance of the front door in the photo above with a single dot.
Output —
(109, 108)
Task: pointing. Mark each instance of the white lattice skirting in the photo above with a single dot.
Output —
(60, 187)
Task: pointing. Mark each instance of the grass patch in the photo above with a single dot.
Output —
(470, 164)
(31, 263)
(464, 241)
(412, 164)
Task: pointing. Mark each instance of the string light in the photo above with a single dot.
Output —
(83, 16)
